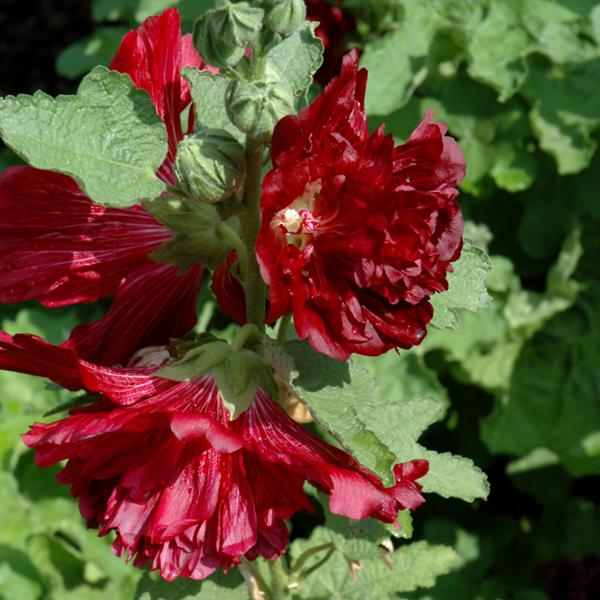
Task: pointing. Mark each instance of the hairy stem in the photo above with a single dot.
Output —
(250, 221)
(284, 325)
(279, 579)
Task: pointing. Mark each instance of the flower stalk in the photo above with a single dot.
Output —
(254, 286)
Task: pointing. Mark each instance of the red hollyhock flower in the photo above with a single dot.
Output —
(184, 488)
(356, 234)
(57, 247)
(335, 25)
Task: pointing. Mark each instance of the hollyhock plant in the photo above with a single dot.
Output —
(357, 234)
(160, 463)
(191, 446)
(82, 252)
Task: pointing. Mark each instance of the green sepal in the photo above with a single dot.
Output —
(238, 372)
(197, 226)
(196, 362)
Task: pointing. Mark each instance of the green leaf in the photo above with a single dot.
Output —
(297, 58)
(335, 393)
(564, 111)
(397, 62)
(344, 399)
(409, 568)
(404, 375)
(147, 8)
(552, 398)
(112, 10)
(108, 137)
(216, 587)
(466, 287)
(498, 48)
(208, 95)
(97, 49)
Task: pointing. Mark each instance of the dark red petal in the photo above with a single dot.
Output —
(228, 290)
(153, 305)
(339, 108)
(32, 355)
(153, 56)
(354, 492)
(429, 159)
(59, 248)
(188, 427)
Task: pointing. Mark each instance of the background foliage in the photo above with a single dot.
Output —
(515, 386)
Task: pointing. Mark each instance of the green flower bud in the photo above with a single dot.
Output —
(198, 232)
(210, 165)
(256, 107)
(222, 35)
(285, 16)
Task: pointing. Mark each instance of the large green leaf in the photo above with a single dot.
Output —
(411, 567)
(397, 62)
(208, 94)
(466, 287)
(344, 399)
(216, 587)
(97, 49)
(108, 137)
(297, 59)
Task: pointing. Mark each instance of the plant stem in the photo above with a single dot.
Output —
(247, 335)
(250, 224)
(279, 579)
(284, 325)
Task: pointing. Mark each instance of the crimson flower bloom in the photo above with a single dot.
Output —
(160, 463)
(335, 25)
(356, 233)
(57, 247)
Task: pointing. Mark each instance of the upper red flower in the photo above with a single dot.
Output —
(356, 233)
(160, 463)
(57, 247)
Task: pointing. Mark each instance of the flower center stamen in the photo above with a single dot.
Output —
(297, 222)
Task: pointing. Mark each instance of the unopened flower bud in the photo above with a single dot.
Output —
(222, 35)
(256, 107)
(210, 165)
(285, 16)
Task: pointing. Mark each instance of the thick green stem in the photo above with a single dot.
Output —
(284, 325)
(279, 580)
(250, 222)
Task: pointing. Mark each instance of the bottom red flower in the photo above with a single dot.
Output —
(184, 488)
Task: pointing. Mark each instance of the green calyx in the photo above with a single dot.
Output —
(255, 107)
(210, 165)
(285, 16)
(201, 236)
(238, 369)
(222, 35)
